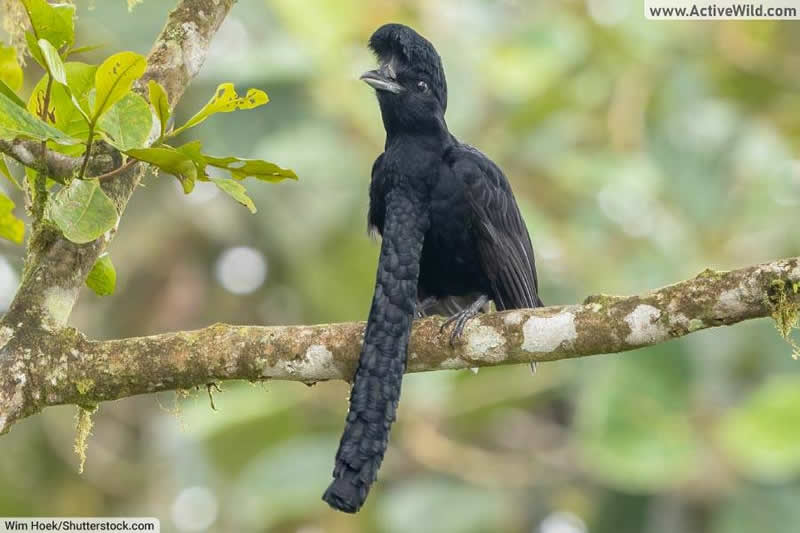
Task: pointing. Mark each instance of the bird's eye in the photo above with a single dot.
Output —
(422, 86)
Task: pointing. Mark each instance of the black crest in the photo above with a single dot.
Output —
(402, 44)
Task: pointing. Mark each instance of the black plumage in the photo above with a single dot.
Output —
(451, 231)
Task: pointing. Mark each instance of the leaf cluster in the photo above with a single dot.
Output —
(74, 105)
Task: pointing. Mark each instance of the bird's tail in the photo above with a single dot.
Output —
(373, 402)
(376, 387)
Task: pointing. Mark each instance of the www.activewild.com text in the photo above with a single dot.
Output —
(736, 10)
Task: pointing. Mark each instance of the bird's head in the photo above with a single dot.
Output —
(409, 82)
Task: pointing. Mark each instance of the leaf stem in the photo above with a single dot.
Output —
(88, 151)
(30, 19)
(40, 188)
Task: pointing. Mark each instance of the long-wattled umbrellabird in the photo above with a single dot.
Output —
(451, 231)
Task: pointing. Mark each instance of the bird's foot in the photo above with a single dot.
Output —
(423, 305)
(462, 317)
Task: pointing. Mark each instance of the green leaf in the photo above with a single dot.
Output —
(171, 161)
(225, 100)
(255, 168)
(236, 191)
(7, 173)
(127, 124)
(18, 122)
(68, 107)
(10, 71)
(11, 95)
(194, 151)
(33, 48)
(102, 278)
(55, 67)
(762, 436)
(160, 102)
(83, 49)
(11, 227)
(54, 22)
(82, 211)
(114, 79)
(188, 163)
(52, 61)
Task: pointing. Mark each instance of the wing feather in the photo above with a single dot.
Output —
(502, 239)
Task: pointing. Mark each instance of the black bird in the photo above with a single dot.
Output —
(451, 230)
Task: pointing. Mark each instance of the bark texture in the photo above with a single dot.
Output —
(64, 367)
(53, 164)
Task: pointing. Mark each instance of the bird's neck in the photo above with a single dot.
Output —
(433, 131)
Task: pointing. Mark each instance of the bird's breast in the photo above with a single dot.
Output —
(449, 265)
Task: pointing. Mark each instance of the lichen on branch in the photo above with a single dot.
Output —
(783, 297)
(64, 367)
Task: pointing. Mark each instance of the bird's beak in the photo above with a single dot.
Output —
(382, 80)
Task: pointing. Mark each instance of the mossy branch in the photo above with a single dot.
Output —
(53, 164)
(65, 367)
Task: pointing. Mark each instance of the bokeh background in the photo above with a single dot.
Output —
(641, 152)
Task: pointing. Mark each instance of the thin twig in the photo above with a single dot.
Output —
(85, 164)
(115, 172)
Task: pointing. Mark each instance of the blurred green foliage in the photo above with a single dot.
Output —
(641, 152)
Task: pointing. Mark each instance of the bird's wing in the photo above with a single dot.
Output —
(502, 240)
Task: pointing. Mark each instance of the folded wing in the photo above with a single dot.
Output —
(502, 240)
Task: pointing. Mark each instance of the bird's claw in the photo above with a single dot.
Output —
(461, 318)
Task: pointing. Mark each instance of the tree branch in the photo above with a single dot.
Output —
(55, 268)
(66, 368)
(55, 165)
(29, 153)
